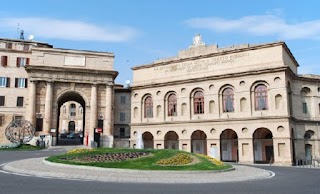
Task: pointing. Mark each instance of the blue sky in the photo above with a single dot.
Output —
(138, 32)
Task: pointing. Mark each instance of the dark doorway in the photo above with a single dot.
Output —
(269, 153)
(72, 127)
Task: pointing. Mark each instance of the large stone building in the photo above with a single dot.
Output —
(242, 103)
(60, 91)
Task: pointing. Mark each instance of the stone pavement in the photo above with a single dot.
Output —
(41, 168)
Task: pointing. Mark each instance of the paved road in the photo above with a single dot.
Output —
(287, 180)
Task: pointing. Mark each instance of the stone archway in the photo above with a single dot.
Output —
(229, 145)
(71, 136)
(171, 140)
(199, 142)
(263, 146)
(147, 138)
(54, 73)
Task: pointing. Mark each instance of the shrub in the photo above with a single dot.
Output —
(179, 159)
(215, 161)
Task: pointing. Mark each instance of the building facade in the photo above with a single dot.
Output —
(60, 91)
(242, 103)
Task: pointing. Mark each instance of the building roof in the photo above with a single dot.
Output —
(205, 51)
(26, 41)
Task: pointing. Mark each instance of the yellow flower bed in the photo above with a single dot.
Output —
(76, 151)
(179, 159)
(215, 161)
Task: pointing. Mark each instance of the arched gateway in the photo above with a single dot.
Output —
(58, 76)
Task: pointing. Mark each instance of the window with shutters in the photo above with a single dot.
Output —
(122, 116)
(72, 109)
(2, 120)
(21, 61)
(172, 105)
(19, 101)
(4, 61)
(123, 99)
(21, 82)
(198, 102)
(2, 100)
(148, 107)
(261, 97)
(4, 82)
(228, 100)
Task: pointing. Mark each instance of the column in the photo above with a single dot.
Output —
(107, 122)
(93, 112)
(48, 109)
(32, 102)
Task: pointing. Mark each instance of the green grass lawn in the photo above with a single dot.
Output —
(23, 147)
(143, 163)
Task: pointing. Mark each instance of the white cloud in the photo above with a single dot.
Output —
(70, 29)
(260, 25)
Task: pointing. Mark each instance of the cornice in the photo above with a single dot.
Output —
(211, 120)
(215, 77)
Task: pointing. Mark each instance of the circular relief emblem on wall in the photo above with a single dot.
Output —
(212, 131)
(135, 133)
(211, 87)
(183, 90)
(244, 130)
(242, 83)
(277, 79)
(159, 132)
(135, 95)
(280, 129)
(158, 93)
(184, 132)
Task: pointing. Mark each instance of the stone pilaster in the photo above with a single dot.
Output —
(48, 108)
(32, 102)
(93, 112)
(107, 122)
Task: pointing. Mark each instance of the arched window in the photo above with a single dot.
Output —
(198, 102)
(227, 98)
(148, 107)
(172, 105)
(72, 109)
(261, 97)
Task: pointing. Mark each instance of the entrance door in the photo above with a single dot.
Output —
(269, 153)
(308, 151)
(71, 127)
(198, 146)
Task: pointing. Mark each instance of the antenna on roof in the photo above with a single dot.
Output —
(21, 35)
(18, 30)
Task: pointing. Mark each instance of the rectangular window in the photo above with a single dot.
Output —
(39, 124)
(122, 133)
(2, 121)
(122, 116)
(26, 47)
(21, 83)
(21, 61)
(4, 82)
(304, 107)
(4, 61)
(9, 45)
(123, 99)
(18, 117)
(20, 102)
(2, 100)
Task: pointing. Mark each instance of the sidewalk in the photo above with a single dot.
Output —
(41, 168)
